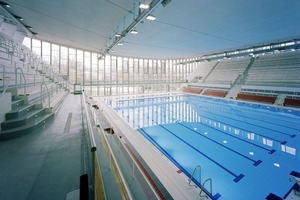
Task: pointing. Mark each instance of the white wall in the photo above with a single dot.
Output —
(5, 105)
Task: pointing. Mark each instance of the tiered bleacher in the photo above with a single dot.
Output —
(201, 71)
(273, 75)
(29, 91)
(255, 97)
(278, 69)
(228, 70)
(217, 93)
(291, 102)
(272, 78)
(192, 90)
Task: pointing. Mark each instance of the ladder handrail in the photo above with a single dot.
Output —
(6, 85)
(22, 73)
(203, 188)
(192, 176)
(47, 93)
(3, 74)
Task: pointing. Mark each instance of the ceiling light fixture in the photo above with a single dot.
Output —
(4, 4)
(142, 14)
(144, 6)
(133, 31)
(29, 27)
(117, 34)
(120, 43)
(17, 20)
(151, 17)
(18, 17)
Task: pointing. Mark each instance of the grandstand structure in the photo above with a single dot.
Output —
(39, 78)
(268, 76)
(30, 91)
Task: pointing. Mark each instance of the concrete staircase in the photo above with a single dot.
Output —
(280, 99)
(30, 92)
(233, 92)
(25, 117)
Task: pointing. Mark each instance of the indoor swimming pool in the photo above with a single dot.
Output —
(240, 150)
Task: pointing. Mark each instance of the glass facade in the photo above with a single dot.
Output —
(113, 75)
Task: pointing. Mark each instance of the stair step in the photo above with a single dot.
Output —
(26, 129)
(20, 111)
(22, 120)
(16, 103)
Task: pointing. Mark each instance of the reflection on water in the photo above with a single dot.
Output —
(147, 111)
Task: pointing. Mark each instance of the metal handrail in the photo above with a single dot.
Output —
(114, 161)
(6, 85)
(47, 93)
(92, 139)
(110, 117)
(22, 73)
(202, 188)
(93, 144)
(3, 72)
(190, 179)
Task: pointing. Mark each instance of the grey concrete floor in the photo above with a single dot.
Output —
(47, 163)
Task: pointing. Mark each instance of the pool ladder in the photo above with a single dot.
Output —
(202, 188)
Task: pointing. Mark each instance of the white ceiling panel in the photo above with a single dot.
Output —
(183, 28)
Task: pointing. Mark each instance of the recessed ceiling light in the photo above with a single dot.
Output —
(151, 17)
(29, 27)
(133, 31)
(144, 6)
(18, 17)
(4, 4)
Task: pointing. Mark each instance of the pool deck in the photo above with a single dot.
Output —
(170, 176)
(45, 164)
(153, 156)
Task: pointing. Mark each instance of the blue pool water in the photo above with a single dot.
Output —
(247, 150)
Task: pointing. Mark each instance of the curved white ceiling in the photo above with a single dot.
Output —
(183, 28)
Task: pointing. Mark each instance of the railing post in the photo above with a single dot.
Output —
(43, 95)
(203, 188)
(93, 145)
(20, 81)
(192, 176)
(93, 172)
(3, 75)
(5, 87)
(16, 81)
(132, 170)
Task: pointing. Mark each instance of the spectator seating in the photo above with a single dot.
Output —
(259, 98)
(201, 71)
(228, 70)
(278, 69)
(216, 93)
(291, 102)
(31, 95)
(192, 90)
